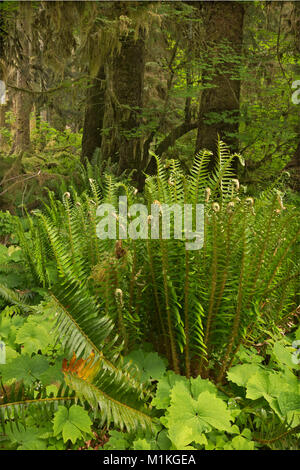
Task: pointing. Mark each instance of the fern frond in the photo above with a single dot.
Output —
(221, 180)
(199, 176)
(19, 402)
(82, 329)
(111, 403)
(12, 297)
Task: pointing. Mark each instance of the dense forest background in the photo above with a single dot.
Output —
(144, 342)
(98, 85)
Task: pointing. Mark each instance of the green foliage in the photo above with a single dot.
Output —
(12, 274)
(24, 368)
(71, 423)
(197, 414)
(32, 380)
(25, 438)
(198, 305)
(188, 417)
(28, 334)
(150, 366)
(143, 341)
(7, 224)
(279, 388)
(201, 309)
(70, 426)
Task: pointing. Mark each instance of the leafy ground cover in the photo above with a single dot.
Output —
(144, 344)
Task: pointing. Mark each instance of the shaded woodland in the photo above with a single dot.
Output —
(106, 82)
(116, 339)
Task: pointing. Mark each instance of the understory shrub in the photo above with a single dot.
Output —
(196, 308)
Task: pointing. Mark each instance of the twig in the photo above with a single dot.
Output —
(50, 90)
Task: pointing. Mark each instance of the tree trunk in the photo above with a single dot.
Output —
(125, 78)
(4, 108)
(94, 114)
(23, 109)
(293, 167)
(224, 23)
(23, 99)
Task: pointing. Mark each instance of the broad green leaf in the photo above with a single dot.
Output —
(141, 444)
(188, 418)
(10, 354)
(249, 355)
(71, 423)
(117, 440)
(14, 253)
(234, 429)
(34, 338)
(241, 374)
(163, 440)
(9, 327)
(259, 385)
(199, 385)
(283, 354)
(150, 365)
(51, 389)
(70, 431)
(52, 374)
(239, 443)
(247, 434)
(289, 405)
(25, 368)
(162, 397)
(268, 385)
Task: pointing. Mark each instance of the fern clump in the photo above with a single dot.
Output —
(196, 307)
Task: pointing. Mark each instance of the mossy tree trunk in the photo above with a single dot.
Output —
(23, 100)
(4, 108)
(23, 109)
(223, 28)
(293, 167)
(125, 78)
(94, 114)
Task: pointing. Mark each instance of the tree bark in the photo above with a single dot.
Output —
(3, 106)
(125, 78)
(224, 22)
(23, 102)
(3, 124)
(94, 114)
(167, 142)
(2, 34)
(23, 109)
(293, 167)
